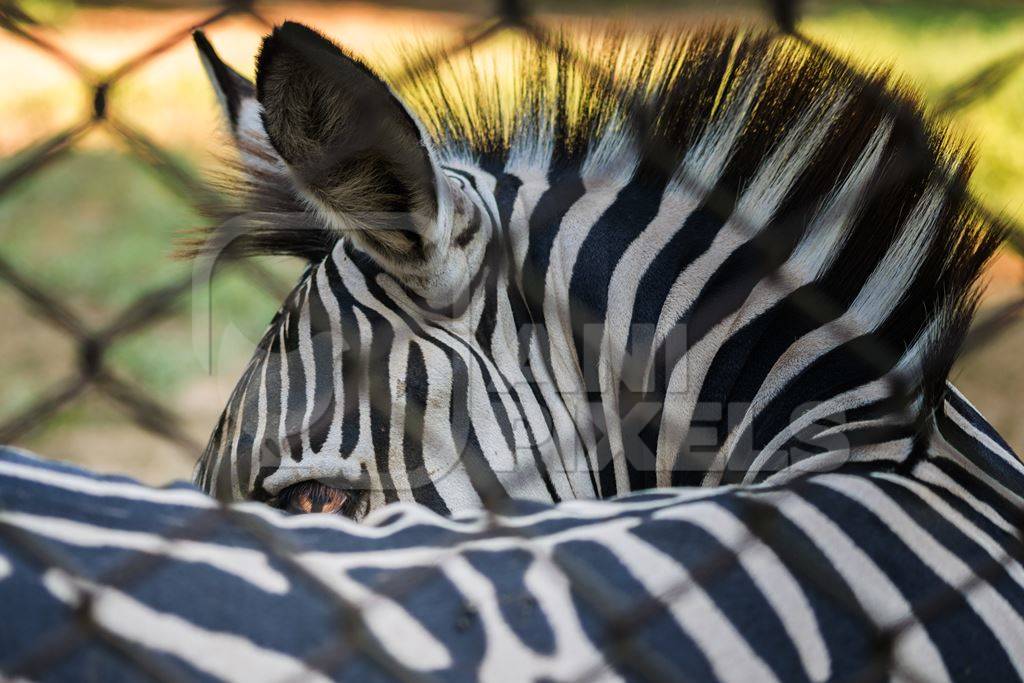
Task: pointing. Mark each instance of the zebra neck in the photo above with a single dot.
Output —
(672, 350)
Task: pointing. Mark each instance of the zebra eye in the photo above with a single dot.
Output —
(312, 496)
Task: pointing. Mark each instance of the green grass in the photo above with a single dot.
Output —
(97, 226)
(97, 229)
(934, 46)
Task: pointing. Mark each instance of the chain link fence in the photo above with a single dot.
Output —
(148, 412)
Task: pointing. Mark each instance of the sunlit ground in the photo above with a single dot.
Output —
(99, 226)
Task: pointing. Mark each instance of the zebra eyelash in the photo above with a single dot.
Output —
(317, 495)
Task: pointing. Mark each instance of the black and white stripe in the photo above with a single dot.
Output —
(853, 574)
(749, 311)
(769, 281)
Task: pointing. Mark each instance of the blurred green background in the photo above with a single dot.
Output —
(99, 226)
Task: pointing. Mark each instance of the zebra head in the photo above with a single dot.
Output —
(346, 390)
(753, 260)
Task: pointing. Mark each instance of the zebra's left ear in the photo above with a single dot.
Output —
(237, 96)
(357, 154)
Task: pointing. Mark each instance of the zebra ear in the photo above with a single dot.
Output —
(237, 96)
(355, 151)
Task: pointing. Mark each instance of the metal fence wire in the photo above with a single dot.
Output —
(149, 414)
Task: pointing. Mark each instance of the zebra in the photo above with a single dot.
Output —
(686, 584)
(511, 311)
(728, 258)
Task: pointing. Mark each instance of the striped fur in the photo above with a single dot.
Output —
(732, 259)
(810, 581)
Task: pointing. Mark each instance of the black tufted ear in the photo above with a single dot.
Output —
(237, 96)
(232, 88)
(356, 152)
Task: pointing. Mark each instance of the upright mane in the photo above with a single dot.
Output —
(567, 99)
(612, 94)
(661, 101)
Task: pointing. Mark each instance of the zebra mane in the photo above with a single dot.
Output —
(614, 94)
